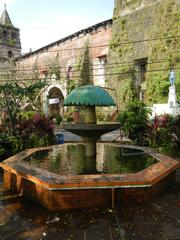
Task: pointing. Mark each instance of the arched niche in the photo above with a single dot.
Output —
(55, 102)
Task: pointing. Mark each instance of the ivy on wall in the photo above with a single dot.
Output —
(159, 22)
(53, 67)
(84, 67)
(167, 17)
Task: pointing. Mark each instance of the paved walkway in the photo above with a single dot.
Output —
(158, 220)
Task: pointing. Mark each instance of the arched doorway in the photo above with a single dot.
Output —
(55, 104)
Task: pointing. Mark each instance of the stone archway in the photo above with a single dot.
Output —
(55, 103)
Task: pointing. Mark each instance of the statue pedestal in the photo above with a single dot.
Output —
(172, 102)
(171, 107)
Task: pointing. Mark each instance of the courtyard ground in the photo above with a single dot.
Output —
(159, 219)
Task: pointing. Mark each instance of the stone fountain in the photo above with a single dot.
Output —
(86, 98)
(26, 173)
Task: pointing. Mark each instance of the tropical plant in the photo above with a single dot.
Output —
(36, 131)
(134, 121)
(13, 95)
(9, 145)
(174, 126)
(165, 134)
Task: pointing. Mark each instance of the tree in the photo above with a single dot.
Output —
(13, 95)
(85, 67)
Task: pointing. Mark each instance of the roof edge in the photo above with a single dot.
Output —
(85, 30)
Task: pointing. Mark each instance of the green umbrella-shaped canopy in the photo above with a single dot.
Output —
(89, 95)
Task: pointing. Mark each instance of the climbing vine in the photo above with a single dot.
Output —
(159, 22)
(53, 67)
(84, 67)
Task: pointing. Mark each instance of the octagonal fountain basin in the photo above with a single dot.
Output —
(62, 177)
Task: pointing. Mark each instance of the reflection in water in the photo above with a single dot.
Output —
(71, 159)
(126, 160)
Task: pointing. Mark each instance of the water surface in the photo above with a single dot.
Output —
(71, 159)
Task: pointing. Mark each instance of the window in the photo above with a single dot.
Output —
(10, 54)
(69, 73)
(100, 71)
(13, 35)
(141, 68)
(4, 34)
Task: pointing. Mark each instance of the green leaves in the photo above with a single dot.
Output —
(14, 95)
(134, 121)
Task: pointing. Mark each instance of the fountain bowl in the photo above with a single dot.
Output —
(90, 130)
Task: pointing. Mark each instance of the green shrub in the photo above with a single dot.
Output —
(163, 138)
(134, 122)
(59, 119)
(70, 119)
(165, 134)
(36, 131)
(174, 125)
(9, 145)
(68, 116)
(33, 130)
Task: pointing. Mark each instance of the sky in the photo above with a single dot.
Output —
(44, 21)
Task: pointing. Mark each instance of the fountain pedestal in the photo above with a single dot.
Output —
(90, 147)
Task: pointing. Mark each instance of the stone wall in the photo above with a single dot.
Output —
(4, 49)
(144, 34)
(68, 52)
(63, 63)
(142, 47)
(10, 45)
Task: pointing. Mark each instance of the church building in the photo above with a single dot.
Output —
(10, 45)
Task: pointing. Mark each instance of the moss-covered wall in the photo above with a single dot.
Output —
(158, 24)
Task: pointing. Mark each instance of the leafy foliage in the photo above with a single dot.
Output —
(9, 145)
(84, 68)
(71, 85)
(53, 67)
(165, 134)
(59, 119)
(14, 95)
(124, 30)
(134, 121)
(35, 131)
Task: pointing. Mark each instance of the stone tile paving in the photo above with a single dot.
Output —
(20, 219)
